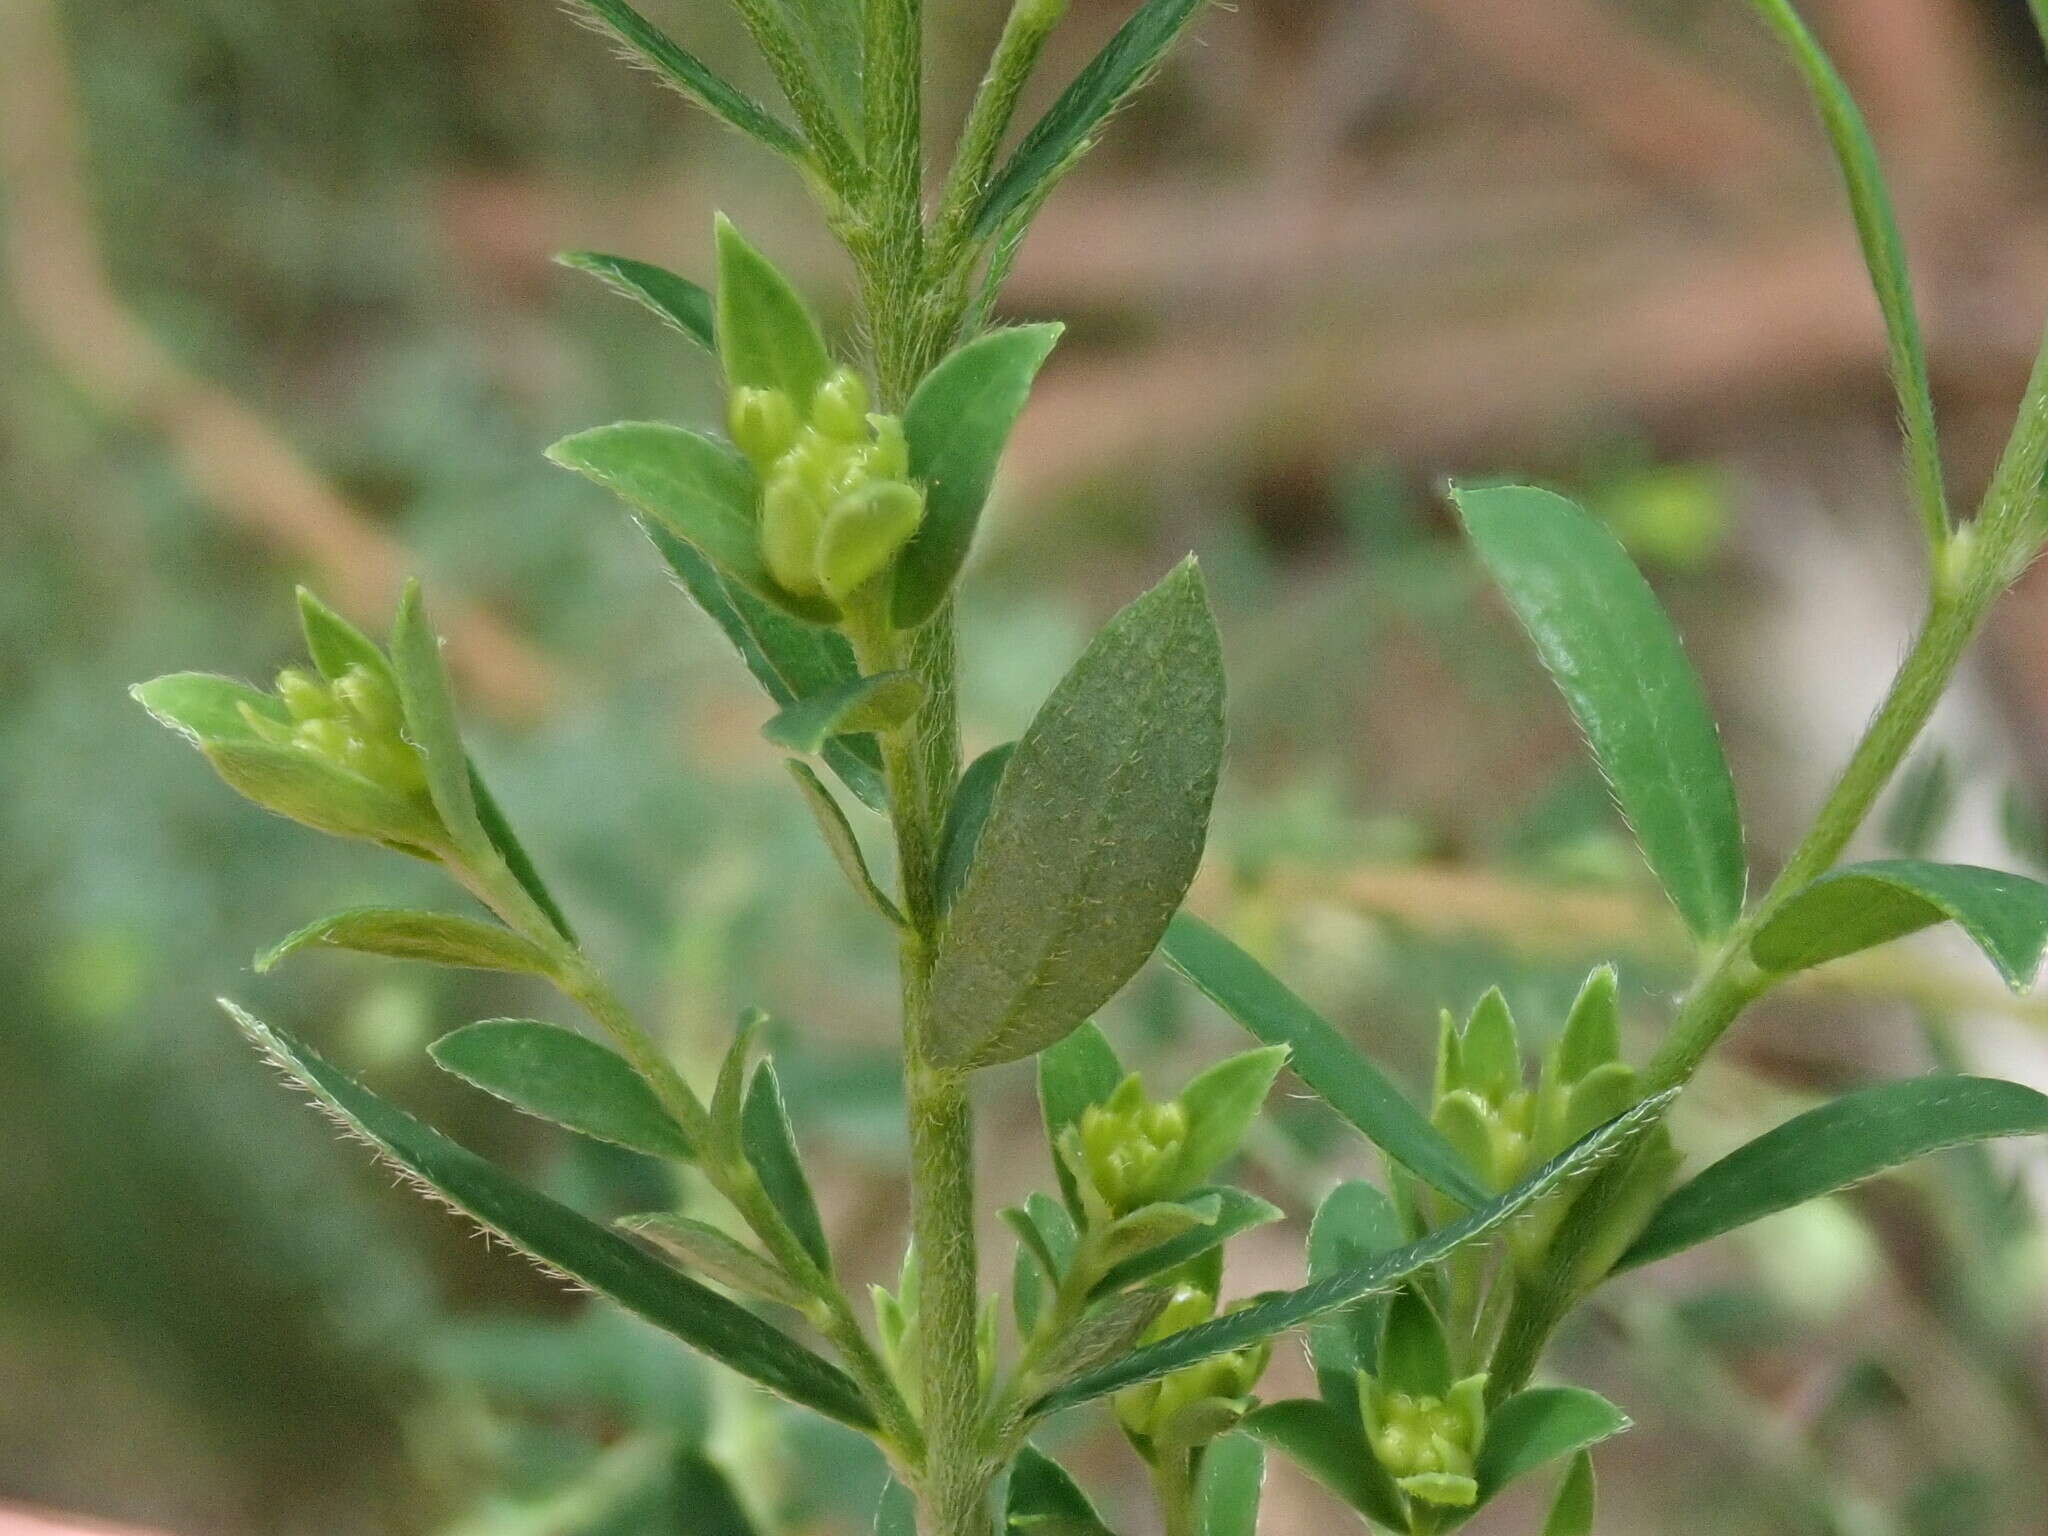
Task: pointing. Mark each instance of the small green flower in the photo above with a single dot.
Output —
(1191, 1406)
(1128, 1150)
(836, 506)
(1428, 1444)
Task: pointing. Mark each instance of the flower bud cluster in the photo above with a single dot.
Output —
(1184, 1410)
(355, 723)
(1429, 1444)
(836, 502)
(1128, 1150)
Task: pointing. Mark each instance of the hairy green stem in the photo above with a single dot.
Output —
(1025, 32)
(1173, 1485)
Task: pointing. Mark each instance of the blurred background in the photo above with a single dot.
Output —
(276, 305)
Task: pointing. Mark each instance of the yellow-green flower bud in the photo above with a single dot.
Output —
(1129, 1148)
(1429, 1445)
(763, 423)
(371, 701)
(326, 738)
(839, 409)
(305, 697)
(1194, 1405)
(791, 517)
(863, 532)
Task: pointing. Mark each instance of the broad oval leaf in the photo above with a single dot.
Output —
(956, 424)
(1839, 1144)
(1283, 1310)
(402, 934)
(679, 302)
(859, 706)
(966, 815)
(1096, 831)
(1044, 1501)
(1605, 639)
(1070, 125)
(699, 490)
(560, 1075)
(790, 660)
(1339, 1073)
(566, 1241)
(1864, 905)
(1228, 1486)
(1540, 1425)
(767, 336)
(1330, 1447)
(1221, 1103)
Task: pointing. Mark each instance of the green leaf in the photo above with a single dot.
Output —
(1231, 1478)
(1073, 121)
(499, 830)
(1839, 1144)
(1540, 1425)
(1863, 905)
(829, 32)
(1606, 641)
(1105, 1334)
(679, 302)
(317, 794)
(603, 1261)
(1045, 1501)
(862, 705)
(1283, 1310)
(1921, 805)
(1330, 1447)
(702, 1493)
(678, 67)
(402, 934)
(560, 1075)
(966, 815)
(896, 1514)
(430, 725)
(1221, 1104)
(1884, 253)
(718, 1254)
(335, 644)
(1321, 1058)
(767, 336)
(1095, 833)
(771, 1149)
(1080, 1071)
(790, 660)
(956, 424)
(1571, 1512)
(1415, 1357)
(1355, 1224)
(206, 709)
(699, 490)
(1138, 1233)
(839, 838)
(1236, 1212)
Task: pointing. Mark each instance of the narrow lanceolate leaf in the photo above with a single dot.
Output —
(1329, 1446)
(1538, 1426)
(956, 424)
(859, 706)
(1605, 639)
(966, 816)
(1102, 1336)
(1045, 1501)
(698, 1245)
(1571, 1512)
(499, 830)
(1290, 1309)
(402, 934)
(560, 1238)
(1839, 1144)
(1863, 905)
(699, 490)
(767, 336)
(1236, 1212)
(1884, 252)
(335, 644)
(429, 703)
(770, 1146)
(692, 76)
(1228, 1487)
(679, 302)
(839, 838)
(1337, 1071)
(1095, 833)
(1071, 124)
(790, 660)
(559, 1075)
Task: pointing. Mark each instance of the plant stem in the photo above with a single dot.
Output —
(1173, 1485)
(1025, 32)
